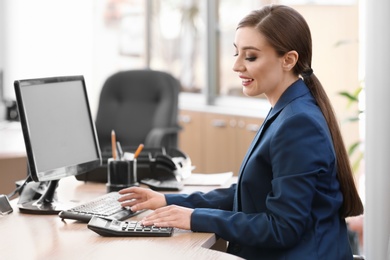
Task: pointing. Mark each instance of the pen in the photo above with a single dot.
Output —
(138, 151)
(120, 151)
(113, 144)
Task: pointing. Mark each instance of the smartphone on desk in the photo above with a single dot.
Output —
(5, 206)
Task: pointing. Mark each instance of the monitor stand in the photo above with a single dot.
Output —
(46, 204)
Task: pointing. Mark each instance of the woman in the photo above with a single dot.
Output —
(295, 184)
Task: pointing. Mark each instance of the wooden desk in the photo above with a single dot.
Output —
(24, 236)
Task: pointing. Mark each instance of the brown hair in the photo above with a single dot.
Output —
(286, 30)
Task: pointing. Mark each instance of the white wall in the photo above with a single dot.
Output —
(2, 105)
(44, 38)
(2, 23)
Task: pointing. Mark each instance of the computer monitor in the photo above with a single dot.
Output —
(59, 134)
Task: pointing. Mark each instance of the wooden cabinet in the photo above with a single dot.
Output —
(246, 130)
(190, 137)
(219, 141)
(216, 142)
(12, 168)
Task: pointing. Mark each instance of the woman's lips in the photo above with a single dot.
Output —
(246, 81)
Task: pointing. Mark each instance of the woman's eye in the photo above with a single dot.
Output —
(235, 55)
(250, 58)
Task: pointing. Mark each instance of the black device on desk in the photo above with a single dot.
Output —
(5, 207)
(163, 185)
(60, 138)
(114, 228)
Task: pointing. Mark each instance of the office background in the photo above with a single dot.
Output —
(96, 38)
(191, 39)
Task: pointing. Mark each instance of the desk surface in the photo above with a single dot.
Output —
(24, 236)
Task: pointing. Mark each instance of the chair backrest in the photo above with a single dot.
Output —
(133, 103)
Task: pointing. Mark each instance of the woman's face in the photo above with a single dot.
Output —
(258, 65)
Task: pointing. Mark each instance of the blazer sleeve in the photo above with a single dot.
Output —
(216, 199)
(300, 152)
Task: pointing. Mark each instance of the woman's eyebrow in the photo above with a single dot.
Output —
(247, 47)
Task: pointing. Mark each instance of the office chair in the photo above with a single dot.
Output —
(141, 106)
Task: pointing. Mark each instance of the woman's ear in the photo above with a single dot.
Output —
(289, 60)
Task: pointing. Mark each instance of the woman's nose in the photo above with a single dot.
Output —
(238, 66)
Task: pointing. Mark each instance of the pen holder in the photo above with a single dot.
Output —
(121, 174)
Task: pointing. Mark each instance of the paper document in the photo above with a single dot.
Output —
(208, 179)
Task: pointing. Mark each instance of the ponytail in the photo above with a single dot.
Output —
(352, 205)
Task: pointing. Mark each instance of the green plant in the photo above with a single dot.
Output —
(354, 150)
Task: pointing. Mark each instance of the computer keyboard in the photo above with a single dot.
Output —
(115, 228)
(106, 206)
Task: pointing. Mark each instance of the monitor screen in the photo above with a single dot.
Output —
(58, 128)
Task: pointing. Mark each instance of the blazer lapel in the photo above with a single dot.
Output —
(245, 160)
(254, 141)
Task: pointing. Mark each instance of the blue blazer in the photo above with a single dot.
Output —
(286, 202)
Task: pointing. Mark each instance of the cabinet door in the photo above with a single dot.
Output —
(190, 137)
(220, 145)
(216, 142)
(12, 168)
(246, 130)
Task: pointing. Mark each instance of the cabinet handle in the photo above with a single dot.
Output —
(233, 123)
(241, 124)
(185, 119)
(252, 127)
(218, 123)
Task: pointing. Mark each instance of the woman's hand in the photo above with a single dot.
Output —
(141, 198)
(170, 216)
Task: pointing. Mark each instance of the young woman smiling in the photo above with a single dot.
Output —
(295, 185)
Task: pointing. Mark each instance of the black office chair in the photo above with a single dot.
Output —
(141, 106)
